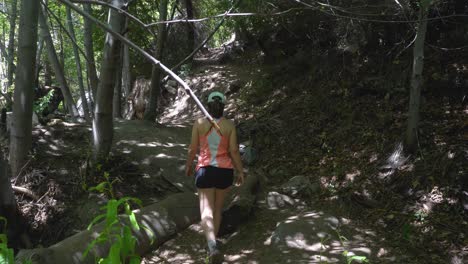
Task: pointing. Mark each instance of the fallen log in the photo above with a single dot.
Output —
(159, 222)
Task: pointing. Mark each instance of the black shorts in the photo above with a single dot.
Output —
(214, 177)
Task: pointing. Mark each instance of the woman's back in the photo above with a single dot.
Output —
(214, 144)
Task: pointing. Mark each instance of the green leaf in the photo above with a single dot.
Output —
(111, 217)
(100, 187)
(128, 242)
(360, 259)
(135, 260)
(114, 254)
(95, 220)
(132, 217)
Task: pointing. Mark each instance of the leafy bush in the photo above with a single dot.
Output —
(116, 232)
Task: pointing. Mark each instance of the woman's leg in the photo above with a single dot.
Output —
(220, 196)
(207, 199)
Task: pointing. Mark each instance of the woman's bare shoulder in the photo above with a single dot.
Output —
(200, 121)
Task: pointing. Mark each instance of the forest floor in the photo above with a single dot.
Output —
(411, 216)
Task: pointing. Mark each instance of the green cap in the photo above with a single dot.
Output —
(216, 94)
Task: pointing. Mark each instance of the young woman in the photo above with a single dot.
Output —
(219, 155)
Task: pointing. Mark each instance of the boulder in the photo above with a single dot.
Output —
(299, 186)
(172, 83)
(275, 200)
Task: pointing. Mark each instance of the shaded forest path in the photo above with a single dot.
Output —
(158, 151)
(281, 230)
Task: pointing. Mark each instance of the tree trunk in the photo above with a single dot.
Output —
(103, 123)
(126, 77)
(89, 49)
(47, 73)
(117, 109)
(155, 90)
(21, 126)
(37, 69)
(416, 81)
(53, 59)
(11, 41)
(190, 28)
(84, 100)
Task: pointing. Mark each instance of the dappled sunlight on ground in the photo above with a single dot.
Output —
(164, 157)
(282, 235)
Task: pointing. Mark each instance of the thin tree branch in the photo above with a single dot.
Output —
(132, 17)
(146, 55)
(207, 38)
(370, 19)
(227, 14)
(57, 19)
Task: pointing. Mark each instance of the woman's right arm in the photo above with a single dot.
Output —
(235, 155)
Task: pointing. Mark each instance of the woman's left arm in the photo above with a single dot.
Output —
(192, 151)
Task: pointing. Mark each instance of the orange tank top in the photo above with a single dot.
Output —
(214, 150)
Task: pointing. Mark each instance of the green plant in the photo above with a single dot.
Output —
(323, 240)
(7, 255)
(43, 102)
(350, 258)
(115, 231)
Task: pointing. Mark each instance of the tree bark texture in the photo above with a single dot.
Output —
(163, 219)
(37, 69)
(126, 75)
(190, 28)
(103, 122)
(58, 69)
(116, 106)
(11, 41)
(89, 49)
(84, 100)
(21, 127)
(416, 81)
(155, 90)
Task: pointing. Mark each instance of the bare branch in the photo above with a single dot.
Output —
(132, 17)
(228, 14)
(205, 41)
(358, 16)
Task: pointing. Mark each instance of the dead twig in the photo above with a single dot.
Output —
(19, 173)
(25, 191)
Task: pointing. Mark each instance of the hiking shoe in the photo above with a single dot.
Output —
(216, 257)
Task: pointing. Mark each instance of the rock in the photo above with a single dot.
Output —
(172, 83)
(248, 154)
(299, 186)
(308, 232)
(275, 200)
(172, 90)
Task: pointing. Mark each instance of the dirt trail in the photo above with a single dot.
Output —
(286, 234)
(156, 150)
